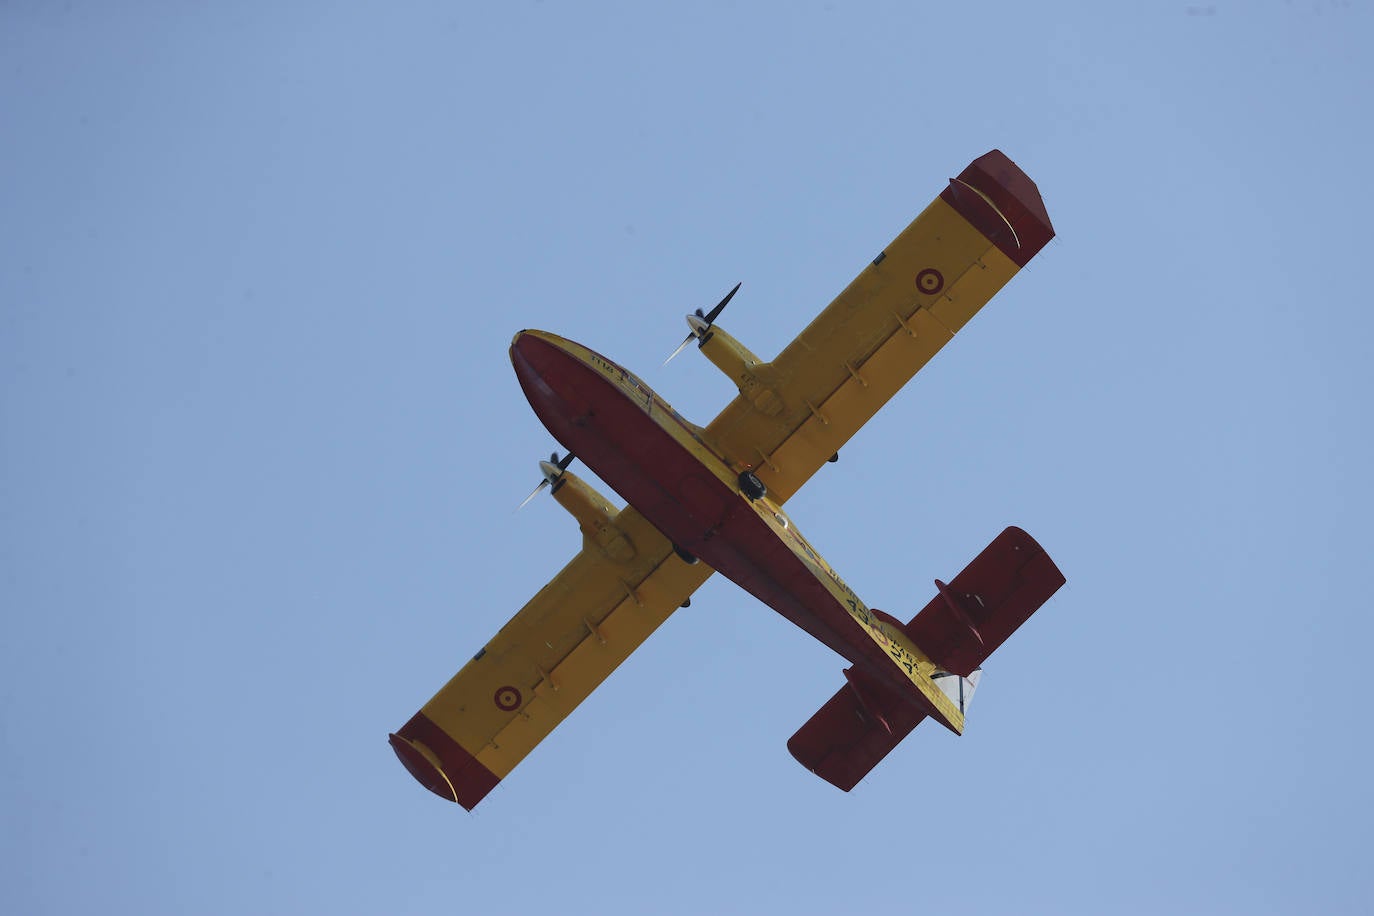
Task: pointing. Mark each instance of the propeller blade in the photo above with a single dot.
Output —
(549, 476)
(542, 484)
(680, 347)
(712, 315)
(701, 324)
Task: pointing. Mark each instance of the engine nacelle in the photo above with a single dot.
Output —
(751, 375)
(595, 516)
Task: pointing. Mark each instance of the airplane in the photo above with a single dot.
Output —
(704, 499)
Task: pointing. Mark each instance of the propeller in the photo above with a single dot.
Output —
(701, 323)
(553, 472)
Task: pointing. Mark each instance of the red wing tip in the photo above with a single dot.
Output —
(1004, 204)
(441, 764)
(425, 771)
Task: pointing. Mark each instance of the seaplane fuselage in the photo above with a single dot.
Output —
(665, 467)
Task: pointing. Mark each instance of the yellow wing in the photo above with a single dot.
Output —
(624, 582)
(793, 414)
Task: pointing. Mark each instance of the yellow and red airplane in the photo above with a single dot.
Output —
(706, 499)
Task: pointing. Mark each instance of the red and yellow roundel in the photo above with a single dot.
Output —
(508, 698)
(930, 281)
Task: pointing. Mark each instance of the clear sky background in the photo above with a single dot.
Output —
(261, 444)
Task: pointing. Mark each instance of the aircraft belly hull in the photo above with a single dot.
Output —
(652, 459)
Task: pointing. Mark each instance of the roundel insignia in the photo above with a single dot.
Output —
(930, 281)
(507, 699)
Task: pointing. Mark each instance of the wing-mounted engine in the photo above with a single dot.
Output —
(754, 377)
(594, 513)
(751, 375)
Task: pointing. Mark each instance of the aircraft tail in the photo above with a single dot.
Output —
(957, 630)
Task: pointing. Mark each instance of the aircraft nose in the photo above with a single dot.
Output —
(525, 350)
(534, 357)
(537, 351)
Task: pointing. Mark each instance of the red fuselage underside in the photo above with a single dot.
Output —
(668, 483)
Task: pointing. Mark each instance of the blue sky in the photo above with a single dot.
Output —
(261, 444)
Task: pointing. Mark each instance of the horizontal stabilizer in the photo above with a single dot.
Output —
(983, 605)
(853, 731)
